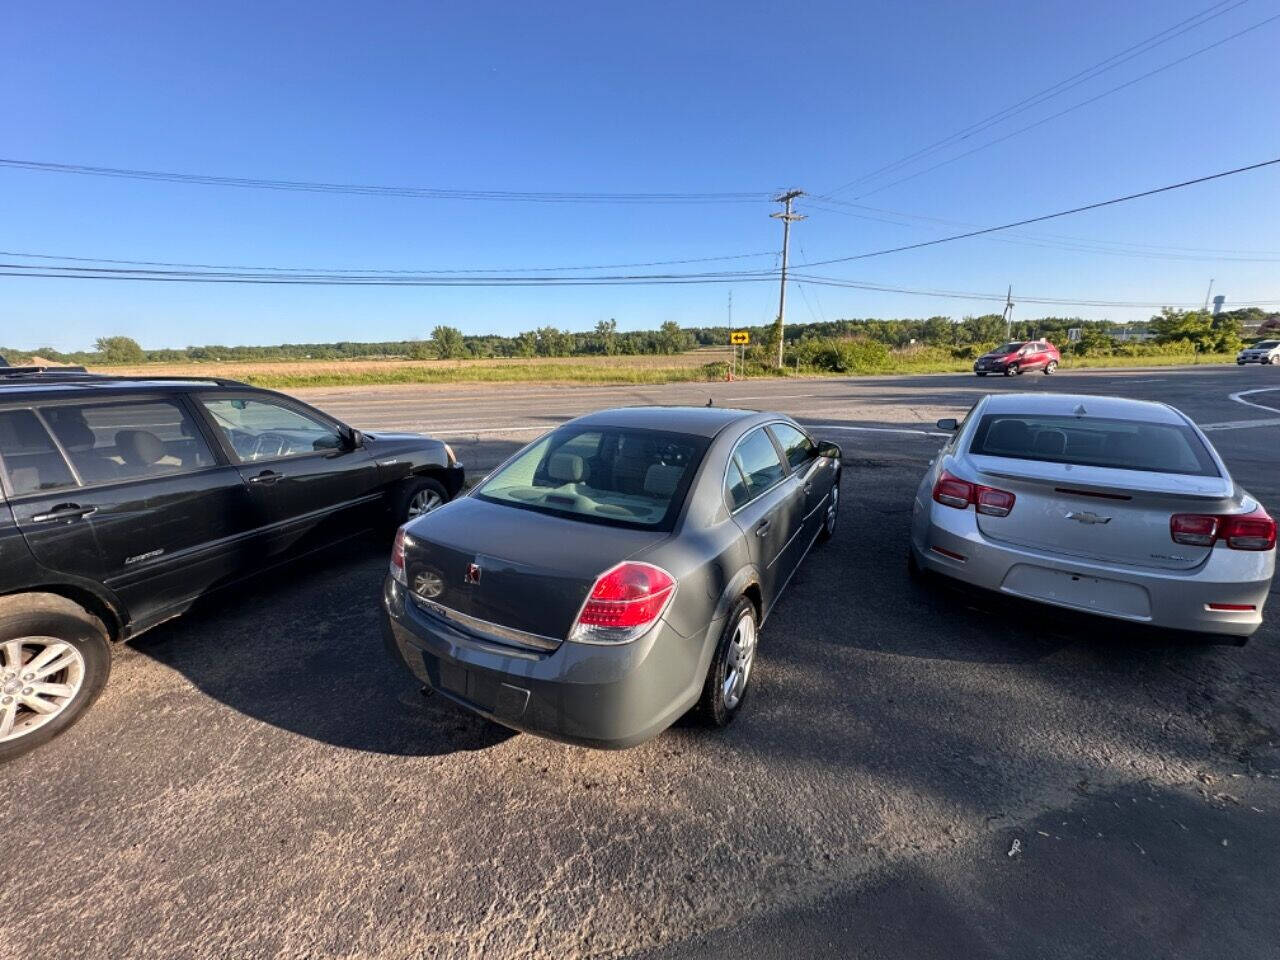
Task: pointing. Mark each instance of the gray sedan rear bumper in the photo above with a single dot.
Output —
(591, 695)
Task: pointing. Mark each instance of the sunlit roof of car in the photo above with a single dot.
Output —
(1069, 404)
(699, 421)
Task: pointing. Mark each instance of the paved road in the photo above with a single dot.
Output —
(259, 781)
(485, 422)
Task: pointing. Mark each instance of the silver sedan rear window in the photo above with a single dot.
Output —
(1094, 442)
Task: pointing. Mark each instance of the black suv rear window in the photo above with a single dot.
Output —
(1094, 442)
(31, 461)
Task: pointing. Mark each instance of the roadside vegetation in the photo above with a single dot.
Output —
(673, 353)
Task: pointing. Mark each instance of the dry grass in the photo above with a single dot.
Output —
(595, 370)
(276, 373)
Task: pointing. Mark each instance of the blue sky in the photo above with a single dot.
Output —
(712, 96)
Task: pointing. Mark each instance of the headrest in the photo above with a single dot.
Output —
(1010, 435)
(630, 445)
(71, 429)
(1051, 443)
(662, 479)
(565, 467)
(140, 448)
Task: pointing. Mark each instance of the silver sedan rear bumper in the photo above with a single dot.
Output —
(948, 542)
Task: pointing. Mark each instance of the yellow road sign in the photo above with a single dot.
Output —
(737, 337)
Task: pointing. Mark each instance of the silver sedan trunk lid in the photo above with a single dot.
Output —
(1100, 513)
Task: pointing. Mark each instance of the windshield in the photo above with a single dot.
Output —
(1094, 442)
(1009, 347)
(608, 475)
(1267, 345)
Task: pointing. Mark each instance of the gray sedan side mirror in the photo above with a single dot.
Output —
(829, 450)
(950, 424)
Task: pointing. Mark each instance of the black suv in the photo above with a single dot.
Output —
(123, 500)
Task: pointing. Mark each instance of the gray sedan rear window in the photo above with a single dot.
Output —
(607, 475)
(1094, 442)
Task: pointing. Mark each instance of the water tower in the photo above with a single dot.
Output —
(1218, 301)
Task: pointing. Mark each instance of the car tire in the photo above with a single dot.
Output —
(728, 678)
(50, 630)
(418, 497)
(981, 374)
(1050, 367)
(833, 513)
(1012, 370)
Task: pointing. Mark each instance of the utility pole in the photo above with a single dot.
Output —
(787, 217)
(1207, 295)
(1008, 314)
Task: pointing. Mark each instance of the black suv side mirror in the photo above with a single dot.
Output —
(353, 438)
(950, 424)
(829, 450)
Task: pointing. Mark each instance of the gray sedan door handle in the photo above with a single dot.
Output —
(67, 511)
(762, 528)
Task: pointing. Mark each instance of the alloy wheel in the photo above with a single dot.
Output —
(833, 509)
(39, 678)
(742, 652)
(424, 501)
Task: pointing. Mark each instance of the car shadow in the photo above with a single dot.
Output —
(300, 648)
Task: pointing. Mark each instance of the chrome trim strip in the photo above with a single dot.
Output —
(485, 629)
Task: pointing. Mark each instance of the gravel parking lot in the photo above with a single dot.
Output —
(918, 772)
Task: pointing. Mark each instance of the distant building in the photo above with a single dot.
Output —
(1127, 334)
(1218, 301)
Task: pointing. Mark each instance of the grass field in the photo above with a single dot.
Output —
(594, 370)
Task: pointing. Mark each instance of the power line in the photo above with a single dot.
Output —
(1070, 109)
(1047, 216)
(1078, 245)
(85, 273)
(1041, 236)
(420, 193)
(356, 270)
(1129, 53)
(369, 279)
(1002, 297)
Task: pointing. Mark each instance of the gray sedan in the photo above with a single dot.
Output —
(1111, 506)
(613, 574)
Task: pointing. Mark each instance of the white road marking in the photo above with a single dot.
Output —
(1237, 397)
(778, 396)
(1240, 424)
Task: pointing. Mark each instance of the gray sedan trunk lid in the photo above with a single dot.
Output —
(534, 570)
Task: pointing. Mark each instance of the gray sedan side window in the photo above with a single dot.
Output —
(800, 449)
(735, 486)
(758, 459)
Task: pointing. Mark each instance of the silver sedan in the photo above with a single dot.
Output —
(1115, 507)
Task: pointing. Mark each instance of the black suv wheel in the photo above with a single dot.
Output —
(54, 661)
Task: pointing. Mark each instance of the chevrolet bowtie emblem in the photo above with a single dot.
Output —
(1086, 517)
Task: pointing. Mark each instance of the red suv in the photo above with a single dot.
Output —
(1019, 357)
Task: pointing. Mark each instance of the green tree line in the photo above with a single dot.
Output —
(963, 337)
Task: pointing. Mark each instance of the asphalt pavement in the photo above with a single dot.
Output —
(917, 772)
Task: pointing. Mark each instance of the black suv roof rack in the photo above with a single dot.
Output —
(48, 375)
(7, 372)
